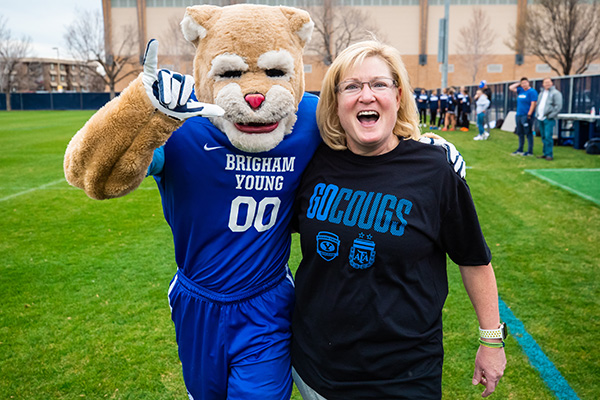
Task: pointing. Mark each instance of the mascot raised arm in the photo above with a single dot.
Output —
(227, 148)
(227, 164)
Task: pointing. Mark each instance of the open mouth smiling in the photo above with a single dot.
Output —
(257, 128)
(367, 117)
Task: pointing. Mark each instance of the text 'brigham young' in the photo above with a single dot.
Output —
(259, 164)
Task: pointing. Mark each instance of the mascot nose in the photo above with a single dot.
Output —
(255, 100)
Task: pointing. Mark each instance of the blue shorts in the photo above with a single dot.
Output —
(234, 347)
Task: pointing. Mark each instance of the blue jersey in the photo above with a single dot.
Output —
(433, 101)
(524, 100)
(422, 101)
(229, 210)
(451, 102)
(443, 101)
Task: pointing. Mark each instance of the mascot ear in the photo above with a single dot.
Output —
(300, 23)
(194, 19)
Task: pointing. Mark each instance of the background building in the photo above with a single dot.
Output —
(53, 75)
(412, 26)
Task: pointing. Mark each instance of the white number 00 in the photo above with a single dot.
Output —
(255, 215)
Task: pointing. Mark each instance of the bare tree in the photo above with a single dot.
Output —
(475, 42)
(93, 83)
(12, 52)
(85, 40)
(562, 33)
(179, 52)
(30, 76)
(337, 27)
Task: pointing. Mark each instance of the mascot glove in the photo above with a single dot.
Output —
(170, 92)
(454, 157)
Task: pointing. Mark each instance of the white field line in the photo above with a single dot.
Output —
(565, 187)
(47, 185)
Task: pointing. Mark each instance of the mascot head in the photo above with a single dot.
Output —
(249, 61)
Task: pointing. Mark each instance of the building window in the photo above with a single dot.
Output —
(62, 78)
(542, 68)
(53, 78)
(307, 68)
(595, 68)
(475, 2)
(494, 68)
(52, 66)
(62, 67)
(123, 3)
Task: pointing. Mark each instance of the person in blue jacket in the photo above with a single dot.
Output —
(434, 104)
(443, 107)
(450, 120)
(465, 110)
(422, 103)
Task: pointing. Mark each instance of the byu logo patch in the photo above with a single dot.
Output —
(362, 253)
(328, 245)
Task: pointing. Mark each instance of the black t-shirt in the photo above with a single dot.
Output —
(370, 289)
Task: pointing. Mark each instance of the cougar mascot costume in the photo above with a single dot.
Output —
(227, 163)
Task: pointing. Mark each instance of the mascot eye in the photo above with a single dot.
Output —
(231, 74)
(275, 73)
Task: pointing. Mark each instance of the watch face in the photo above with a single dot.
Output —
(504, 329)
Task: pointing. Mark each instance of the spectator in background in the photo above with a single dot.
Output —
(488, 92)
(459, 94)
(450, 120)
(526, 102)
(434, 104)
(482, 103)
(547, 110)
(465, 110)
(443, 107)
(422, 100)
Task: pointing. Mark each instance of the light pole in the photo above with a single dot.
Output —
(59, 87)
(445, 61)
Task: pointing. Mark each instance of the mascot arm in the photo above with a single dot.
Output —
(452, 154)
(110, 155)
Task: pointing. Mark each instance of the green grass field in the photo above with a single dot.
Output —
(83, 283)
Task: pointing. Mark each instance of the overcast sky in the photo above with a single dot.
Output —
(45, 21)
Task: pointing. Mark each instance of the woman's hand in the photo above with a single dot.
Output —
(489, 368)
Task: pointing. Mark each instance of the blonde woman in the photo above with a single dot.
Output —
(377, 212)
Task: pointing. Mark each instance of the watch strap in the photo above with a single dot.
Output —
(492, 333)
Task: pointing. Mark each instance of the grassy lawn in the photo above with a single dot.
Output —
(83, 283)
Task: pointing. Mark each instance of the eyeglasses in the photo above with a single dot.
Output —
(377, 85)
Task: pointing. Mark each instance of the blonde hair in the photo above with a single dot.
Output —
(407, 120)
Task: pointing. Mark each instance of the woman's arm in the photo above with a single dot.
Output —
(513, 87)
(480, 283)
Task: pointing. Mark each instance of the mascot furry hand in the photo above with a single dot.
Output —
(227, 184)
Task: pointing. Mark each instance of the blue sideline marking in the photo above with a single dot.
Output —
(552, 378)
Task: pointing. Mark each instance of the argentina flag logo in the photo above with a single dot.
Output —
(362, 253)
(328, 245)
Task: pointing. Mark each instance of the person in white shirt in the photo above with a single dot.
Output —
(482, 102)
